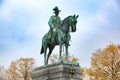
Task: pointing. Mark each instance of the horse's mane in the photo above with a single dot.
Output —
(65, 19)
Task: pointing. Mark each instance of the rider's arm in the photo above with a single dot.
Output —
(50, 22)
(60, 21)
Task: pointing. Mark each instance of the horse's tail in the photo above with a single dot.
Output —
(42, 50)
(44, 42)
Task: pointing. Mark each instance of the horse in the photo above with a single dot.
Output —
(63, 37)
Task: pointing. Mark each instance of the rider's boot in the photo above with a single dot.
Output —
(68, 44)
(53, 41)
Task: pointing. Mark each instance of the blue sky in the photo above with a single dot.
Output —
(24, 22)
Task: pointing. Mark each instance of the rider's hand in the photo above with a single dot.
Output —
(54, 29)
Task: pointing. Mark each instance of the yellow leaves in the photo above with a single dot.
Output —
(105, 63)
(20, 69)
(95, 60)
(74, 59)
(12, 71)
(54, 58)
(25, 67)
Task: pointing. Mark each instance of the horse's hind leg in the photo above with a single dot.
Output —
(50, 51)
(45, 50)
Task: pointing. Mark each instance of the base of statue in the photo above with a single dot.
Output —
(58, 71)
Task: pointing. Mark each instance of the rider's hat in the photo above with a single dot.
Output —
(55, 9)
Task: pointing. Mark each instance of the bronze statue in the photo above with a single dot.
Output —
(60, 34)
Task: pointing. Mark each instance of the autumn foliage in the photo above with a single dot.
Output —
(20, 69)
(105, 64)
(12, 71)
(2, 73)
(54, 58)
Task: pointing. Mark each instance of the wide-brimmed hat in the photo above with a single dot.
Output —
(55, 9)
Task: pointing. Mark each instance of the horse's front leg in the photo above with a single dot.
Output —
(60, 52)
(45, 50)
(66, 46)
(66, 50)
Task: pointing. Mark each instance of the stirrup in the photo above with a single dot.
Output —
(53, 42)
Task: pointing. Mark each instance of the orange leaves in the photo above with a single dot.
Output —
(54, 58)
(74, 59)
(12, 71)
(25, 67)
(20, 69)
(105, 63)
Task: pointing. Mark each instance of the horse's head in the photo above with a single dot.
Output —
(73, 22)
(68, 22)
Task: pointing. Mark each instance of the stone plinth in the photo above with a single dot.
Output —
(60, 71)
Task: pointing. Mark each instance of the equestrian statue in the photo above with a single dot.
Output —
(59, 34)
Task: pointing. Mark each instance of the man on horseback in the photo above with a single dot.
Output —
(54, 23)
(59, 34)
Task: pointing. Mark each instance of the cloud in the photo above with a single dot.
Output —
(112, 4)
(20, 29)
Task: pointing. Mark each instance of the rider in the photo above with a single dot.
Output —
(54, 22)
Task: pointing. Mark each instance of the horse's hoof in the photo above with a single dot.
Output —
(45, 63)
(60, 61)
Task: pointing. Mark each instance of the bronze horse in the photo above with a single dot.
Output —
(63, 37)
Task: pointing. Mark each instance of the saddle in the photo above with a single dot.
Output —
(49, 34)
(50, 37)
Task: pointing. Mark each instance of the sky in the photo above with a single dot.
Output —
(24, 22)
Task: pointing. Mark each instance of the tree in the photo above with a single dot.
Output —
(20, 69)
(2, 73)
(12, 71)
(105, 64)
(25, 67)
(54, 58)
(85, 75)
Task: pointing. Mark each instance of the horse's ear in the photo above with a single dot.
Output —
(77, 16)
(74, 16)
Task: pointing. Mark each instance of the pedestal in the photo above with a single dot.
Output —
(60, 71)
